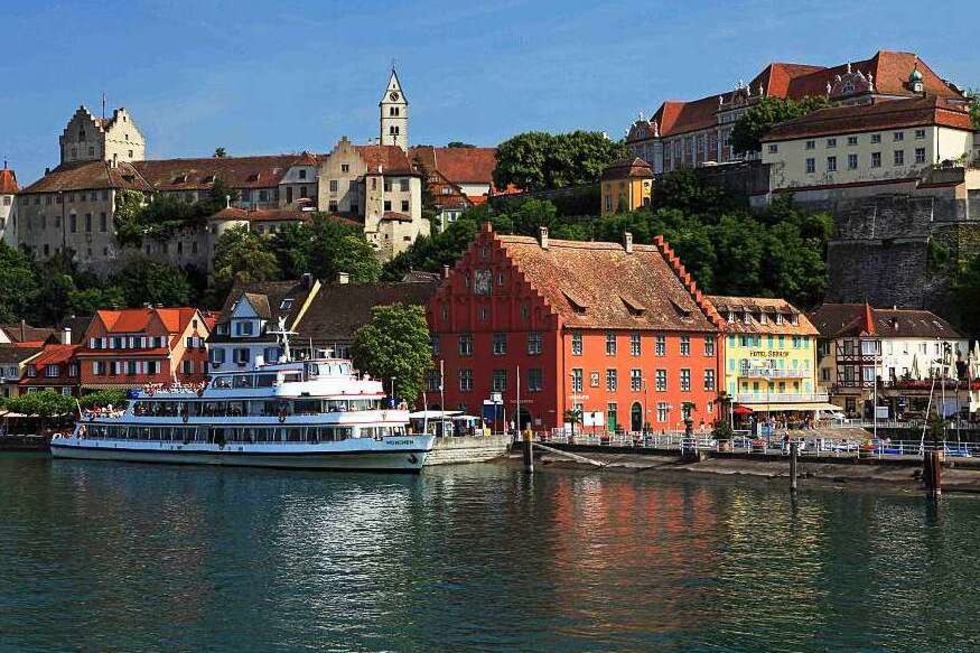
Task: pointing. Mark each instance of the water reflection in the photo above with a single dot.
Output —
(117, 557)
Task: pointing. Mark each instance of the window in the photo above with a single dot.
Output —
(535, 379)
(534, 343)
(610, 344)
(898, 136)
(875, 138)
(661, 381)
(773, 148)
(685, 380)
(635, 346)
(920, 134)
(660, 346)
(52, 371)
(577, 379)
(709, 345)
(663, 411)
(876, 159)
(73, 221)
(466, 344)
(831, 164)
(333, 185)
(403, 185)
(465, 380)
(405, 208)
(810, 145)
(500, 380)
(435, 344)
(852, 140)
(899, 157)
(576, 344)
(920, 155)
(387, 205)
(103, 222)
(811, 166)
(852, 161)
(612, 382)
(612, 419)
(709, 380)
(345, 167)
(831, 142)
(685, 345)
(636, 379)
(499, 344)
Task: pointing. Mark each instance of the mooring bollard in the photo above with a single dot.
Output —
(932, 473)
(794, 451)
(528, 452)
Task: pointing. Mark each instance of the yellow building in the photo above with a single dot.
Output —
(769, 358)
(626, 185)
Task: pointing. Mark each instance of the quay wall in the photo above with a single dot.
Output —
(467, 449)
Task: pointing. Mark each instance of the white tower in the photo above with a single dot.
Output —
(394, 114)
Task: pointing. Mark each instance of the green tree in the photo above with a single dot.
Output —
(104, 398)
(761, 116)
(539, 160)
(974, 96)
(219, 153)
(325, 247)
(242, 256)
(142, 281)
(18, 278)
(45, 405)
(395, 343)
(460, 145)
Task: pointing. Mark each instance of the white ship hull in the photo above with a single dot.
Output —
(401, 454)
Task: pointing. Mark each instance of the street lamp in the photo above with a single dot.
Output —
(393, 390)
(646, 420)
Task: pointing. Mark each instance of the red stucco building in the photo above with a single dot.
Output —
(619, 331)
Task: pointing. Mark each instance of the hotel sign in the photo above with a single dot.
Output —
(768, 353)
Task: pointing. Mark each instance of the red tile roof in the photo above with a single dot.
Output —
(881, 115)
(137, 320)
(236, 172)
(599, 285)
(459, 165)
(889, 73)
(54, 355)
(391, 159)
(755, 308)
(8, 181)
(89, 175)
(628, 168)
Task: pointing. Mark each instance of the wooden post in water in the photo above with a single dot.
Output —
(794, 452)
(936, 474)
(528, 452)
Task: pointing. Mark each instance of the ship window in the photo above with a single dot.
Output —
(265, 380)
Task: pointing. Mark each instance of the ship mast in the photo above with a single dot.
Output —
(283, 333)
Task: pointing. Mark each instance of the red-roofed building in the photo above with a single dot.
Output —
(619, 331)
(458, 177)
(132, 347)
(8, 215)
(696, 132)
(54, 368)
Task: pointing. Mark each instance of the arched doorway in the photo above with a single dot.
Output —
(636, 417)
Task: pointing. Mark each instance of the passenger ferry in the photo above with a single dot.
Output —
(312, 414)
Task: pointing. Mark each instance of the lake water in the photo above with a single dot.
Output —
(115, 557)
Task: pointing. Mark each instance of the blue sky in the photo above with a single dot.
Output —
(265, 77)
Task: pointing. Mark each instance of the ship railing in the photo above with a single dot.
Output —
(150, 389)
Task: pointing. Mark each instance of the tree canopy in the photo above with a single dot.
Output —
(768, 111)
(242, 256)
(539, 160)
(395, 343)
(974, 96)
(44, 404)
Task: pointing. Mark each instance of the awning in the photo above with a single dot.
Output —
(742, 410)
(782, 407)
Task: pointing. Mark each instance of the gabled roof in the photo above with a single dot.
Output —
(267, 298)
(628, 169)
(8, 181)
(880, 115)
(20, 333)
(757, 307)
(138, 320)
(856, 320)
(339, 309)
(54, 355)
(600, 285)
(89, 175)
(458, 165)
(390, 159)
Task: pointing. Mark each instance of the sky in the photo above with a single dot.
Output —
(263, 77)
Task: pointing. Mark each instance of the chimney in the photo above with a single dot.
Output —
(543, 237)
(66, 335)
(445, 271)
(628, 242)
(343, 278)
(307, 280)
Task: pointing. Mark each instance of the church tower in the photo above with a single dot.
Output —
(394, 114)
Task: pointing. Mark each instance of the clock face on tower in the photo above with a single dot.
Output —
(394, 96)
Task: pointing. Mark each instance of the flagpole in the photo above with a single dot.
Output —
(518, 411)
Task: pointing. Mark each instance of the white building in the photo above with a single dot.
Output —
(8, 207)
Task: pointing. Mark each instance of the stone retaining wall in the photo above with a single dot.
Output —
(454, 451)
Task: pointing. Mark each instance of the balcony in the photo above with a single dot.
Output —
(765, 373)
(781, 397)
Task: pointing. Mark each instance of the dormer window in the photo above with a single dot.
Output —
(180, 179)
(578, 305)
(731, 317)
(746, 318)
(286, 304)
(682, 312)
(763, 318)
(209, 179)
(779, 318)
(634, 307)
